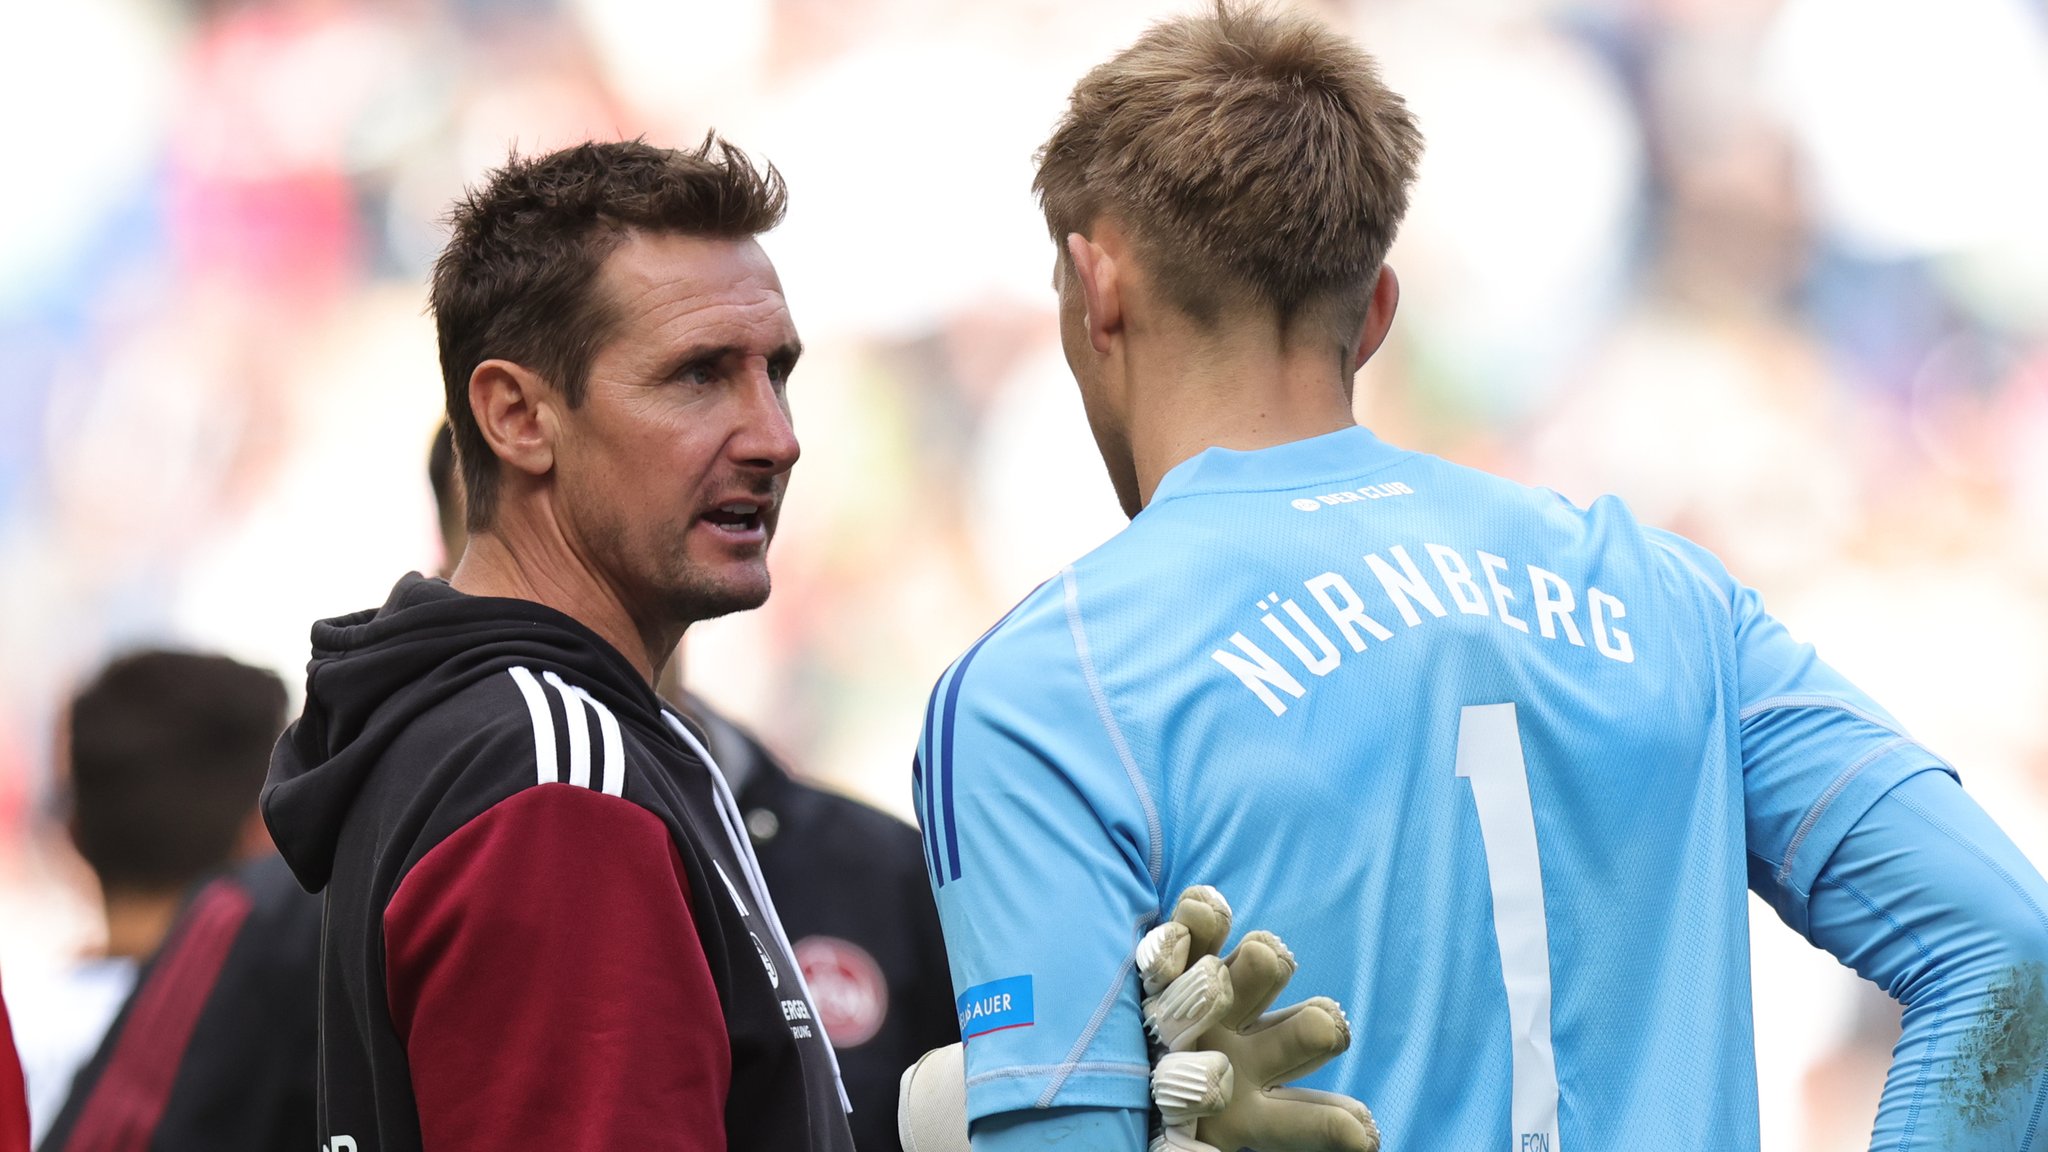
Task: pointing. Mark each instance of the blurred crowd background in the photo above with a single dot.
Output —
(1775, 272)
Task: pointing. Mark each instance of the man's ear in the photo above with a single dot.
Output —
(510, 403)
(1379, 315)
(1096, 272)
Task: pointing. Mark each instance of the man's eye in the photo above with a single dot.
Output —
(695, 375)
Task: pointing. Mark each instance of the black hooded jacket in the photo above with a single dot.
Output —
(544, 926)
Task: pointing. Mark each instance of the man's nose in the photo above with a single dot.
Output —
(765, 438)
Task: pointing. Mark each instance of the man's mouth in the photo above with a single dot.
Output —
(739, 517)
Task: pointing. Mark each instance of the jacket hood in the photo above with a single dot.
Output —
(374, 672)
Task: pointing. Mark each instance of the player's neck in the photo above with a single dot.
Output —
(1242, 390)
(138, 921)
(523, 559)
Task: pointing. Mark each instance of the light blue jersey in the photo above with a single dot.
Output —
(1497, 768)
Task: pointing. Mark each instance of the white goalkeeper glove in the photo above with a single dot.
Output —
(931, 1102)
(1217, 1086)
(1214, 1084)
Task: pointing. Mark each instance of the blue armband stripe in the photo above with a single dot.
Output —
(946, 756)
(925, 790)
(945, 765)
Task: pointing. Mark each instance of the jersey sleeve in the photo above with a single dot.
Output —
(545, 976)
(1928, 899)
(1040, 850)
(1075, 1129)
(1816, 751)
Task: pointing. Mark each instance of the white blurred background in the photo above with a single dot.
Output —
(1776, 272)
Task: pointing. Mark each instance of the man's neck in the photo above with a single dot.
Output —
(513, 560)
(138, 921)
(1244, 391)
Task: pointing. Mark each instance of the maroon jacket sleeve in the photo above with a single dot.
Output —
(13, 1096)
(549, 986)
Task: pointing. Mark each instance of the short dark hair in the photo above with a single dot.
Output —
(168, 751)
(1255, 156)
(447, 490)
(515, 281)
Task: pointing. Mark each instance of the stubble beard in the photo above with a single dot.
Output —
(689, 592)
(696, 596)
(669, 585)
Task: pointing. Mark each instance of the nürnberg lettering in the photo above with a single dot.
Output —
(1533, 601)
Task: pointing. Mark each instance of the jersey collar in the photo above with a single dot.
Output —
(1332, 456)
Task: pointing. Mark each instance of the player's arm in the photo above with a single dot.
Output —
(1041, 844)
(1864, 842)
(549, 986)
(1218, 1076)
(1928, 899)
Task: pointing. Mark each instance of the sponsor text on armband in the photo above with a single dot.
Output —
(994, 1006)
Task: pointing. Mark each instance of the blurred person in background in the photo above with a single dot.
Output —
(1501, 794)
(215, 1050)
(848, 881)
(545, 925)
(165, 754)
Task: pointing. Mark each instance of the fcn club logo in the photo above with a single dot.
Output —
(847, 986)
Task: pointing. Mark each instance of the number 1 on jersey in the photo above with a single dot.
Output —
(1490, 756)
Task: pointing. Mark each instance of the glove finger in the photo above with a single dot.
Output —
(1187, 1086)
(1162, 956)
(1287, 1044)
(1207, 916)
(1260, 967)
(1294, 1120)
(1179, 1138)
(1189, 1006)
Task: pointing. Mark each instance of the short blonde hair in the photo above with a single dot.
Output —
(1255, 157)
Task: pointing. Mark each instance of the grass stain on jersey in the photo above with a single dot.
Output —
(2005, 1051)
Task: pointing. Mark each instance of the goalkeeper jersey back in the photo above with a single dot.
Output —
(1497, 768)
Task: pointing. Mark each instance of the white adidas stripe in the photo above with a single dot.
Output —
(579, 730)
(577, 705)
(543, 724)
(613, 780)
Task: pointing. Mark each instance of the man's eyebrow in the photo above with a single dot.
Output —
(786, 353)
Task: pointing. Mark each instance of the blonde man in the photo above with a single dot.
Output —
(1496, 767)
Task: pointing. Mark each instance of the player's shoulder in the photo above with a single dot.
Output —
(1025, 663)
(1606, 524)
(518, 726)
(1489, 495)
(1033, 630)
(487, 716)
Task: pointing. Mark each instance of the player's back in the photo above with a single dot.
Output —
(1496, 767)
(1473, 753)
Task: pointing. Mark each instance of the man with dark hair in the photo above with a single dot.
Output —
(546, 927)
(163, 755)
(1496, 767)
(847, 879)
(166, 753)
(213, 1049)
